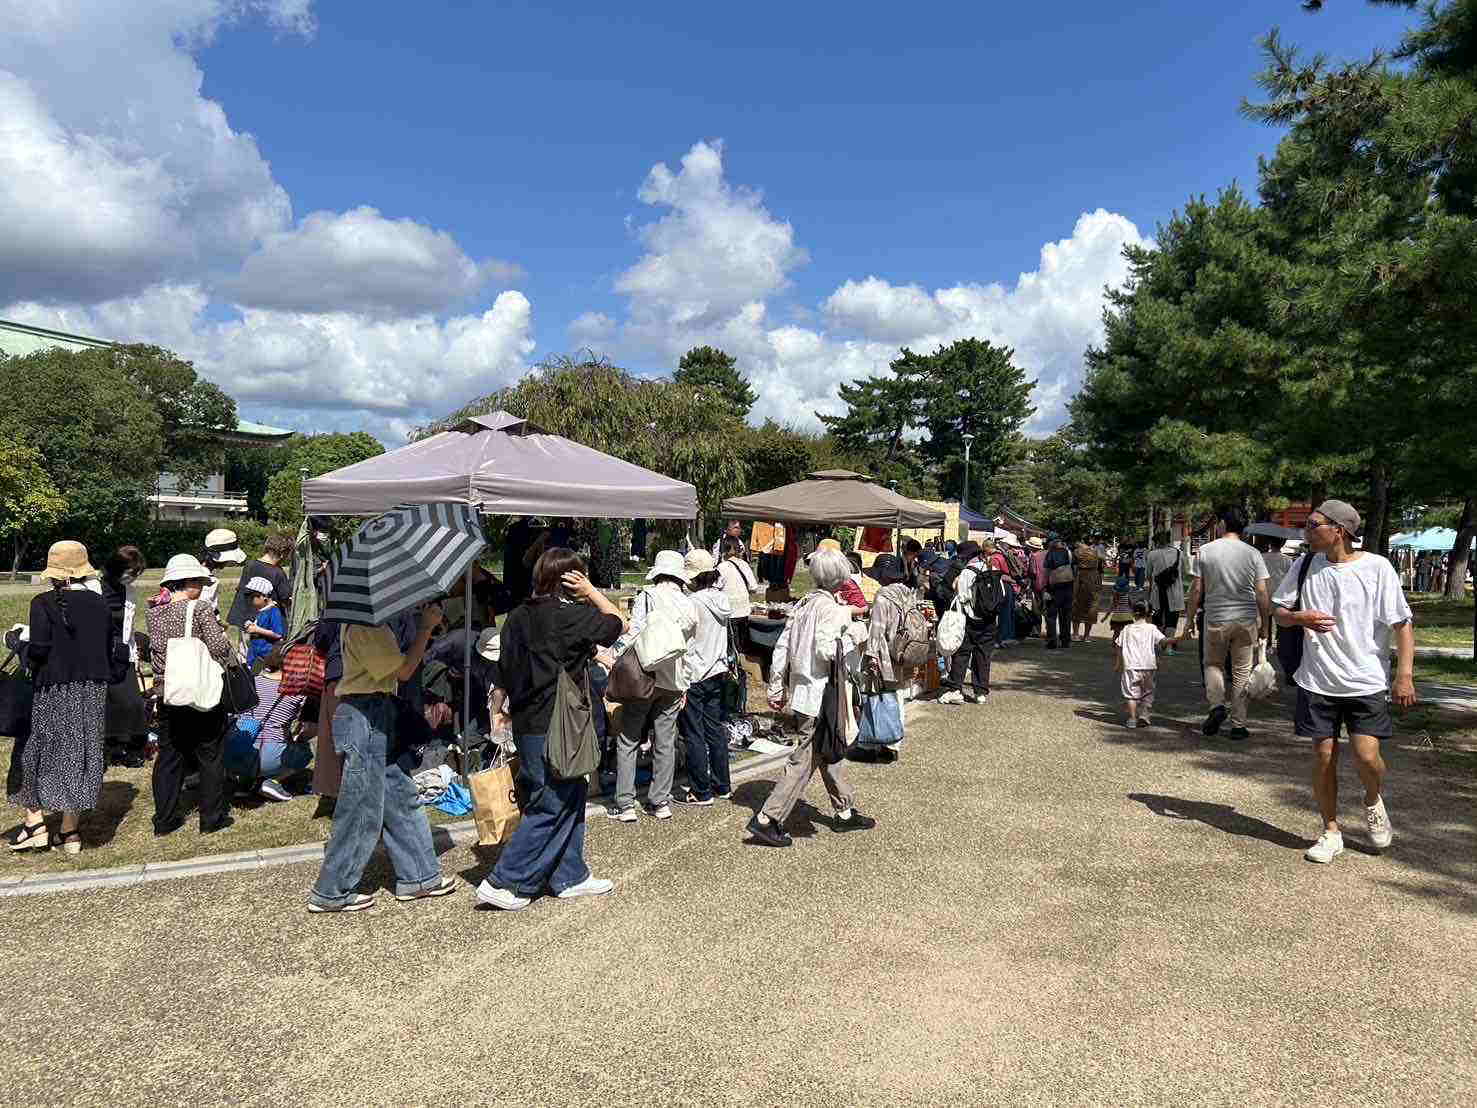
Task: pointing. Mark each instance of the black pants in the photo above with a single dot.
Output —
(973, 653)
(1059, 615)
(190, 736)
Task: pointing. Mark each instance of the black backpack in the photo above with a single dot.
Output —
(988, 593)
(944, 586)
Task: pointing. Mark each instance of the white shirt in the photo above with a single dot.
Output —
(801, 665)
(739, 583)
(1365, 599)
(1139, 642)
(707, 650)
(1229, 570)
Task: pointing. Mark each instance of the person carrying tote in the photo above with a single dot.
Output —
(799, 673)
(72, 640)
(706, 662)
(665, 597)
(564, 623)
(890, 609)
(188, 734)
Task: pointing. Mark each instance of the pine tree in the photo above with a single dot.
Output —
(707, 367)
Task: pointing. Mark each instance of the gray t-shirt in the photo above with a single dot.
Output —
(1229, 570)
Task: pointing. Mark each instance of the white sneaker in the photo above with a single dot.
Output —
(498, 897)
(273, 791)
(1329, 846)
(953, 696)
(622, 815)
(590, 886)
(662, 811)
(1130, 723)
(1380, 832)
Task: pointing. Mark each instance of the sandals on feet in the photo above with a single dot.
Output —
(32, 836)
(70, 842)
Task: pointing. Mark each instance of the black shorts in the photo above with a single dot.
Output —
(1320, 717)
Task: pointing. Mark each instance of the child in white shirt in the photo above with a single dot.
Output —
(1135, 656)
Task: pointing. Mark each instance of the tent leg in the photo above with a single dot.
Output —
(467, 670)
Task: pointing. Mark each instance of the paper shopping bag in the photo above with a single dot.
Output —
(494, 804)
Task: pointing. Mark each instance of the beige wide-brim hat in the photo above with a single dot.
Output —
(668, 564)
(184, 567)
(224, 546)
(698, 562)
(67, 561)
(1035, 543)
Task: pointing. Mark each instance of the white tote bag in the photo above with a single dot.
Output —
(660, 640)
(1263, 680)
(192, 678)
(951, 629)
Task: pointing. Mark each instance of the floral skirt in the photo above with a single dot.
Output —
(62, 762)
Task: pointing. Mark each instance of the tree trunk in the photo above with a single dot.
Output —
(15, 563)
(1466, 528)
(1376, 540)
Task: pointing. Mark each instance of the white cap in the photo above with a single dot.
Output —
(261, 585)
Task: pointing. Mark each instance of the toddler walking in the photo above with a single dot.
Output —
(1136, 657)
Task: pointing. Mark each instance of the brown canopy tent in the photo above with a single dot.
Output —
(834, 496)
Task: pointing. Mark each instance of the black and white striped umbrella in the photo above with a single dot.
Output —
(410, 554)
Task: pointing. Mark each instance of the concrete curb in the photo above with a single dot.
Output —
(445, 835)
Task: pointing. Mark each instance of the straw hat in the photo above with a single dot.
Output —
(184, 567)
(1035, 543)
(223, 546)
(668, 564)
(67, 561)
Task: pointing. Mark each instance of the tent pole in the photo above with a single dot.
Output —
(467, 667)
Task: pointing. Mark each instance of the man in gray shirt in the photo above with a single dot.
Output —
(1231, 583)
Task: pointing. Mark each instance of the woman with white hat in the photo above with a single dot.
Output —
(664, 598)
(187, 731)
(222, 548)
(70, 654)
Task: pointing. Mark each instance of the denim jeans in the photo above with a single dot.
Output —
(1007, 616)
(702, 731)
(375, 798)
(548, 845)
(662, 708)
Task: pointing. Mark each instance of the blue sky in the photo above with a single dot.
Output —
(839, 179)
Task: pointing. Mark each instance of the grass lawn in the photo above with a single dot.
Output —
(15, 597)
(1441, 622)
(1446, 671)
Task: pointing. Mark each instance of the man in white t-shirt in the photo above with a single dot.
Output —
(1351, 601)
(1230, 581)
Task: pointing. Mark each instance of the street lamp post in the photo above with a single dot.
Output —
(964, 490)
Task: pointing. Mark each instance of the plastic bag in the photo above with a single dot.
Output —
(1263, 680)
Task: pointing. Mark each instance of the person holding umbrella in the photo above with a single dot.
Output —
(401, 560)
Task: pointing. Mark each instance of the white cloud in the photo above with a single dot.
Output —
(716, 250)
(718, 258)
(321, 370)
(361, 261)
(115, 172)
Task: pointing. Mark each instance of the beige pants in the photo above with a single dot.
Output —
(801, 767)
(1239, 640)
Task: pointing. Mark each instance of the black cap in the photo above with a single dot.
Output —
(968, 551)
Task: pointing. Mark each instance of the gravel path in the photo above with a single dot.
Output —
(1053, 910)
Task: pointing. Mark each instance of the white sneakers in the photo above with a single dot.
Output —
(590, 886)
(662, 811)
(1329, 846)
(622, 815)
(953, 696)
(510, 901)
(506, 899)
(1378, 820)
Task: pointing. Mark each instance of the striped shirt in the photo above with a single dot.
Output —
(274, 710)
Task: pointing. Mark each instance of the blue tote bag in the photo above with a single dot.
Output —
(881, 720)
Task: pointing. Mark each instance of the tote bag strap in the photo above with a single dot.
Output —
(190, 618)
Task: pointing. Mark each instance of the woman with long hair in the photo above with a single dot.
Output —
(563, 624)
(72, 639)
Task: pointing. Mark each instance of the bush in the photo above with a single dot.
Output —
(159, 541)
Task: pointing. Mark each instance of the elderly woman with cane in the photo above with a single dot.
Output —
(800, 670)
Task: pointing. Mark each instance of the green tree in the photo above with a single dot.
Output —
(879, 429)
(29, 502)
(973, 387)
(775, 455)
(100, 439)
(706, 367)
(192, 411)
(314, 455)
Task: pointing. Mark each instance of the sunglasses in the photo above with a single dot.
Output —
(1314, 524)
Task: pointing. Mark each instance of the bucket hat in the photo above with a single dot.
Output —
(184, 567)
(668, 564)
(261, 585)
(1035, 543)
(886, 570)
(699, 561)
(489, 644)
(224, 546)
(67, 561)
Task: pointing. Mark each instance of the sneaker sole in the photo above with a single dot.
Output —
(501, 907)
(319, 909)
(1324, 861)
(567, 895)
(439, 890)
